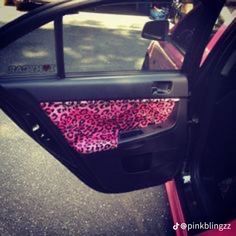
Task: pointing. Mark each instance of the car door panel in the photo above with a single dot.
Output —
(116, 130)
(133, 136)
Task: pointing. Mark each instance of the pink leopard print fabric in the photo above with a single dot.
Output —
(94, 126)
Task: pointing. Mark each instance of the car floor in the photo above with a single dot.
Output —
(39, 196)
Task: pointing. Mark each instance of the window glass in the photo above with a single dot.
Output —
(108, 38)
(33, 54)
(103, 42)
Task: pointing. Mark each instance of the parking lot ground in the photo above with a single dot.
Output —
(39, 196)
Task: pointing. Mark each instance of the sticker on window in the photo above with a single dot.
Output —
(31, 69)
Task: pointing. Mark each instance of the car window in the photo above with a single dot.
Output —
(103, 42)
(105, 39)
(33, 53)
(108, 38)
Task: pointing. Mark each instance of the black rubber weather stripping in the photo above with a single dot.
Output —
(58, 33)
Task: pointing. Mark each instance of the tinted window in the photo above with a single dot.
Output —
(33, 53)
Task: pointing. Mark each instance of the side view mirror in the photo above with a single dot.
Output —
(156, 30)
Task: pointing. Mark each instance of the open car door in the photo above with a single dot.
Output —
(116, 131)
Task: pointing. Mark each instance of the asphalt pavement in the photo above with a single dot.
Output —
(39, 196)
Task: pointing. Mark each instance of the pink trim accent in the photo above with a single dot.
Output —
(211, 44)
(175, 206)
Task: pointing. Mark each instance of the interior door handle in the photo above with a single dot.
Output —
(159, 91)
(160, 88)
